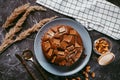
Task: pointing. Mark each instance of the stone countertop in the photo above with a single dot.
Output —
(11, 68)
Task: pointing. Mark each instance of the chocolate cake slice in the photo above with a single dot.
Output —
(62, 45)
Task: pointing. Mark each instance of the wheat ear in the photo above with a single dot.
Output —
(19, 23)
(33, 29)
(15, 14)
(25, 33)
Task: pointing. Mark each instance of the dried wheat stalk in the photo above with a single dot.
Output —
(15, 14)
(18, 25)
(5, 44)
(33, 29)
(26, 33)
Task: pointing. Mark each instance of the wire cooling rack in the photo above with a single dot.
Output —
(94, 14)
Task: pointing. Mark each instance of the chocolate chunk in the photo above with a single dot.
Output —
(55, 41)
(53, 60)
(61, 53)
(63, 44)
(46, 37)
(54, 29)
(77, 45)
(50, 32)
(73, 32)
(70, 48)
(50, 52)
(62, 29)
(67, 38)
(62, 63)
(46, 45)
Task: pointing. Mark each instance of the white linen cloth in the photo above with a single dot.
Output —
(99, 15)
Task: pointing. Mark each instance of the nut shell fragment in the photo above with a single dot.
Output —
(93, 74)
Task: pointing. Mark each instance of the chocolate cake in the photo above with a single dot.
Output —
(62, 45)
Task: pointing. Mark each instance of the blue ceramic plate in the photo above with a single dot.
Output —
(58, 70)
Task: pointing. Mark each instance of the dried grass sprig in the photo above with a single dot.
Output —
(5, 44)
(33, 29)
(15, 14)
(24, 34)
(19, 23)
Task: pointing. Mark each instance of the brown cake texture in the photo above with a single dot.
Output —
(62, 45)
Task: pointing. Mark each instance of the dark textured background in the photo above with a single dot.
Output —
(11, 68)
